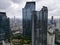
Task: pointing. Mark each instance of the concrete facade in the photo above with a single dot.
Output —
(51, 36)
(51, 32)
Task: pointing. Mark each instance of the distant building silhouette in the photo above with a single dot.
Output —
(27, 24)
(39, 26)
(4, 26)
(52, 21)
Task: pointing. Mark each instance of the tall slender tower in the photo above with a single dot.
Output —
(27, 24)
(14, 24)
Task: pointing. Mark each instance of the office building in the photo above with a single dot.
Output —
(58, 24)
(27, 24)
(53, 21)
(39, 26)
(4, 26)
(57, 37)
(51, 34)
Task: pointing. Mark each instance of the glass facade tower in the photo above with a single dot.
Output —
(39, 26)
(27, 24)
(4, 26)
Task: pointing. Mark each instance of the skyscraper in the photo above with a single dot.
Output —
(27, 24)
(52, 21)
(39, 26)
(4, 26)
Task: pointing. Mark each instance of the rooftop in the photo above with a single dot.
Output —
(2, 12)
(29, 4)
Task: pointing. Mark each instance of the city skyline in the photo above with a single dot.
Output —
(29, 22)
(14, 7)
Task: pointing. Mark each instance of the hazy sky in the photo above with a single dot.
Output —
(14, 7)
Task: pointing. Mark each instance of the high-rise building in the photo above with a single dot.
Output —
(57, 37)
(52, 21)
(39, 26)
(27, 24)
(51, 34)
(58, 24)
(57, 32)
(4, 26)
